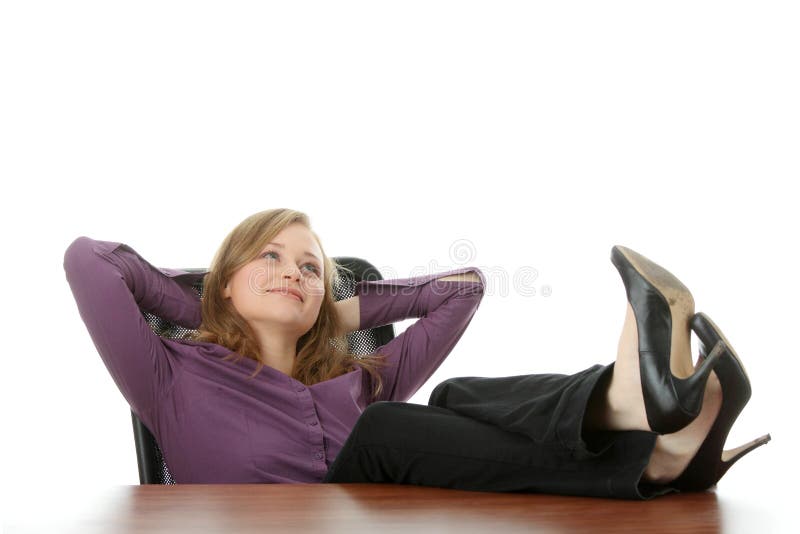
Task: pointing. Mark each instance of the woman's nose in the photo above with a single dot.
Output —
(292, 272)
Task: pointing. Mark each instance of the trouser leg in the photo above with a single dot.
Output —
(544, 407)
(510, 434)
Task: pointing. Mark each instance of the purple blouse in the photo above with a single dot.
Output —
(213, 423)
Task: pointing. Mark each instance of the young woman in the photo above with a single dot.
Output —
(262, 392)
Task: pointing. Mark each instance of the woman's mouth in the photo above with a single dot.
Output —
(287, 295)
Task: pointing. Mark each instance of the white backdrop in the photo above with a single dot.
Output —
(533, 136)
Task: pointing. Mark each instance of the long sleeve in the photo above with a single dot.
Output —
(444, 309)
(112, 285)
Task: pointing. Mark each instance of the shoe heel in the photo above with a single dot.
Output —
(691, 390)
(732, 456)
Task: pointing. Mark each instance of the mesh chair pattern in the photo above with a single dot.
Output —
(152, 465)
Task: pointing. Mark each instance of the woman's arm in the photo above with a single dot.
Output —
(443, 302)
(112, 284)
(349, 312)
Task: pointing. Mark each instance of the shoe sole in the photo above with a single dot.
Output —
(680, 302)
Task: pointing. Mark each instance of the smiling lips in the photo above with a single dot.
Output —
(290, 293)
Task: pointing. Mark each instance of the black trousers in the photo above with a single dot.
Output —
(507, 434)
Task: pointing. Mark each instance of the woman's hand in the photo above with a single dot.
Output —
(349, 314)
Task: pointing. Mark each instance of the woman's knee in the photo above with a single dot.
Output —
(439, 394)
(375, 409)
(378, 412)
(392, 420)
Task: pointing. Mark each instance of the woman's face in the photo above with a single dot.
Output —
(260, 292)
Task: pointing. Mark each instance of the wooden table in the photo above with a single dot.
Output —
(353, 508)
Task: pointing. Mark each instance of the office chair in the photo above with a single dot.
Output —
(152, 466)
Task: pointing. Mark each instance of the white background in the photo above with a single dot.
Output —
(535, 135)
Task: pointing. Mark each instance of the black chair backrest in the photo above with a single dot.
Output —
(152, 465)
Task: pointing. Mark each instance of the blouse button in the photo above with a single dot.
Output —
(313, 423)
(318, 455)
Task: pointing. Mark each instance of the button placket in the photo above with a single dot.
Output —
(316, 438)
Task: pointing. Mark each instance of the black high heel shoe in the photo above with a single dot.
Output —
(711, 462)
(670, 402)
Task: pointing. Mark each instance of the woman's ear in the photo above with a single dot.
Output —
(226, 292)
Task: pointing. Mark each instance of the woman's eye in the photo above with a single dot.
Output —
(313, 269)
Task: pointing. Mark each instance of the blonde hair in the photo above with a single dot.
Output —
(319, 353)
